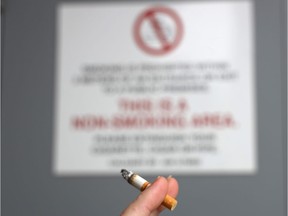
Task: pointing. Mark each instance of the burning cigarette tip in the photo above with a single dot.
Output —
(126, 174)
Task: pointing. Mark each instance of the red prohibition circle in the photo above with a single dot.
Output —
(150, 15)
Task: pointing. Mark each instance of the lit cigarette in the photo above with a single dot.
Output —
(141, 184)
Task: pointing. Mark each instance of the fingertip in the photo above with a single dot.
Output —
(160, 180)
(173, 187)
(173, 181)
(158, 188)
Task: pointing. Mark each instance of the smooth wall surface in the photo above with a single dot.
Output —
(28, 76)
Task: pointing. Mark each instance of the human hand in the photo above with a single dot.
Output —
(148, 203)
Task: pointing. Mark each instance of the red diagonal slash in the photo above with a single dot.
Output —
(158, 30)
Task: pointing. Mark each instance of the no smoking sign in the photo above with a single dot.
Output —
(158, 30)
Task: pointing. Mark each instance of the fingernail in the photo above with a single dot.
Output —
(156, 179)
(169, 177)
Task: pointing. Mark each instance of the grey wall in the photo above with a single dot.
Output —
(28, 184)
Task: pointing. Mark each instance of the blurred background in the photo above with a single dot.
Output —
(193, 89)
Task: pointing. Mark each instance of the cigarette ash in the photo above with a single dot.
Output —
(126, 174)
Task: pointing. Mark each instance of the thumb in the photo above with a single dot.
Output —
(149, 200)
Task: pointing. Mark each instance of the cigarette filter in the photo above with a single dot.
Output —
(141, 184)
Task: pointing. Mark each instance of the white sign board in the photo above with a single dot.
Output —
(166, 88)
